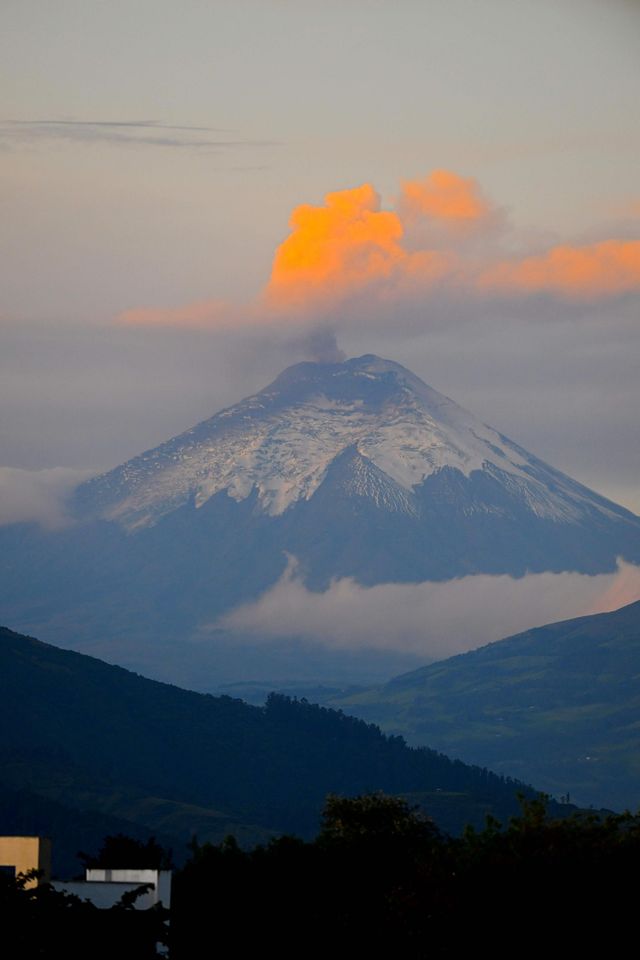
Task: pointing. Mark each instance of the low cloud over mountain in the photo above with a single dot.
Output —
(431, 620)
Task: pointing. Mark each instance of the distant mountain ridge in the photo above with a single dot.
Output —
(558, 705)
(357, 469)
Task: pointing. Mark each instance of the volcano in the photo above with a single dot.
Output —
(356, 469)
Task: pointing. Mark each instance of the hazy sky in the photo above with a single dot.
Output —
(153, 152)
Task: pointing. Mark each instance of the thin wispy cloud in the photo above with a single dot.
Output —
(153, 133)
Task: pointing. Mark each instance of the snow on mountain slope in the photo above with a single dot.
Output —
(281, 442)
(358, 470)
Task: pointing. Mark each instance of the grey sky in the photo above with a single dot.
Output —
(273, 103)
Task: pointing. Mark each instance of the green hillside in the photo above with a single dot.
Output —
(98, 739)
(558, 706)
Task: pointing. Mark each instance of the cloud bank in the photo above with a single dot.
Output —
(431, 620)
(37, 496)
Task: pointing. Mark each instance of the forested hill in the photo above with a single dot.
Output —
(101, 739)
(558, 705)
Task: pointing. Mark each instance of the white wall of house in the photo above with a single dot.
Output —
(105, 887)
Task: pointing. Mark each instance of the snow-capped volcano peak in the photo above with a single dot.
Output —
(358, 470)
(280, 444)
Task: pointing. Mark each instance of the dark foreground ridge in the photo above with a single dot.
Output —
(84, 741)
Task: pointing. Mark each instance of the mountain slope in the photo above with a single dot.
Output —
(357, 469)
(391, 431)
(558, 705)
(103, 741)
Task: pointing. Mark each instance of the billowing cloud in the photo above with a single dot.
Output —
(37, 496)
(443, 196)
(347, 256)
(432, 620)
(333, 249)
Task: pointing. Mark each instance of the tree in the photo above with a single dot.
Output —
(374, 817)
(120, 851)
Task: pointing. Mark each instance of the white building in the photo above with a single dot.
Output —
(104, 887)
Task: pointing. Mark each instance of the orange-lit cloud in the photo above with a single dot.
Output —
(598, 269)
(335, 249)
(442, 235)
(349, 247)
(443, 196)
